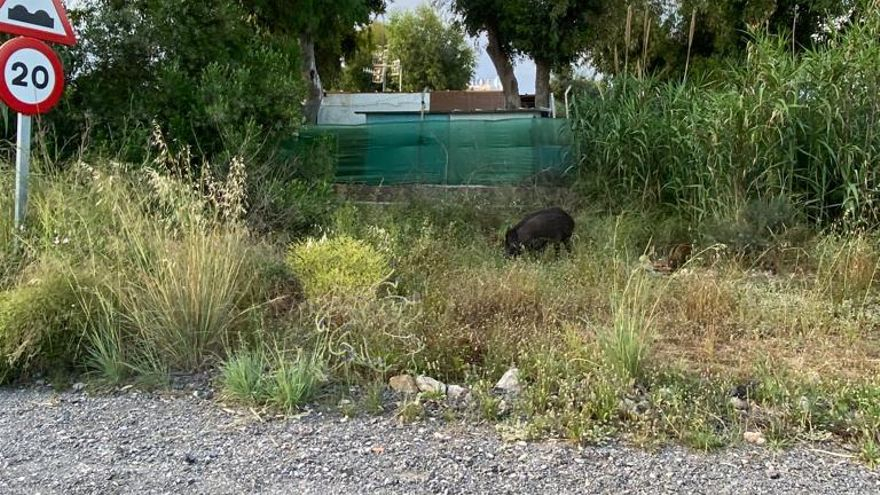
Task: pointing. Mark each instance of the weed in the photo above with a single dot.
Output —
(626, 343)
(296, 381)
(244, 376)
(488, 405)
(373, 401)
(869, 448)
(411, 410)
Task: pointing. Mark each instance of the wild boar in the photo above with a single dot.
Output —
(534, 232)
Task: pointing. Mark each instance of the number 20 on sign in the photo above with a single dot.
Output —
(31, 75)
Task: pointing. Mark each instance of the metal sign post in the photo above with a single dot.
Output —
(22, 168)
(31, 74)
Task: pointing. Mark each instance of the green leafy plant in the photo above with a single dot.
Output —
(337, 266)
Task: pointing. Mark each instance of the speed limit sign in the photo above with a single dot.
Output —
(32, 76)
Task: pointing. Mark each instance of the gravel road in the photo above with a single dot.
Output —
(147, 443)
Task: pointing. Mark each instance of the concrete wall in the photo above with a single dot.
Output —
(341, 109)
(496, 116)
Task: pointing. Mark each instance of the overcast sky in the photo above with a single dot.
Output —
(525, 69)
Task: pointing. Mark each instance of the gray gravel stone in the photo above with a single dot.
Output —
(509, 383)
(430, 385)
(152, 443)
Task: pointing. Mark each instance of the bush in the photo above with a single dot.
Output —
(294, 207)
(340, 266)
(38, 323)
(201, 69)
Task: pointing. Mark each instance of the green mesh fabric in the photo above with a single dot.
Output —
(447, 152)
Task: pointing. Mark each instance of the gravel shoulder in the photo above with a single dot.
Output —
(149, 443)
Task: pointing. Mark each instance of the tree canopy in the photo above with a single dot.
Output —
(552, 32)
(433, 54)
(660, 31)
(321, 27)
(202, 70)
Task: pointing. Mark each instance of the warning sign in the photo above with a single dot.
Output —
(41, 19)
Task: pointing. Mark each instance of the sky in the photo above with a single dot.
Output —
(525, 69)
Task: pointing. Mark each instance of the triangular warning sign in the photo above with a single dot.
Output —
(41, 19)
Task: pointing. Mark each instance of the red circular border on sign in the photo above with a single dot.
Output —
(6, 52)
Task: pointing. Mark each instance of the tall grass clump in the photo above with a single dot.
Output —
(189, 295)
(797, 126)
(626, 342)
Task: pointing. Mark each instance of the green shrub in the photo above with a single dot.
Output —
(339, 266)
(296, 207)
(38, 323)
(757, 226)
(221, 84)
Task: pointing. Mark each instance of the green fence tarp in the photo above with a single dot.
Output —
(450, 152)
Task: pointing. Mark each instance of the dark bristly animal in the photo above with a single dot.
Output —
(534, 232)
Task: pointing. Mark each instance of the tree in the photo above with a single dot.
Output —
(493, 18)
(555, 33)
(315, 22)
(201, 70)
(356, 75)
(432, 53)
(720, 31)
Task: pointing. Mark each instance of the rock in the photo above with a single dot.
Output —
(456, 393)
(204, 394)
(403, 384)
(509, 383)
(739, 404)
(189, 458)
(430, 385)
(773, 474)
(78, 387)
(754, 437)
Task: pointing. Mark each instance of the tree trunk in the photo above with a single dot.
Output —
(542, 84)
(504, 68)
(314, 91)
